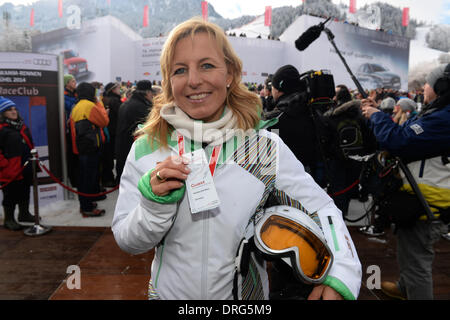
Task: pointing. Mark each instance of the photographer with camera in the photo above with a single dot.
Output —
(295, 124)
(423, 142)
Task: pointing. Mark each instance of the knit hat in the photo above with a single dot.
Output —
(5, 104)
(86, 91)
(434, 75)
(144, 85)
(287, 79)
(67, 78)
(407, 104)
(387, 104)
(110, 87)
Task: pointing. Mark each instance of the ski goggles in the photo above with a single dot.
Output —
(291, 235)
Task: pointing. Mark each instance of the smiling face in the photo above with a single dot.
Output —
(199, 77)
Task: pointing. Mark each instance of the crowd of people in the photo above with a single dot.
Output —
(411, 126)
(101, 121)
(145, 137)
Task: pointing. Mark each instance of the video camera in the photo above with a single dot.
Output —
(319, 85)
(315, 86)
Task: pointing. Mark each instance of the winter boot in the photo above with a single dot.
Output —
(24, 214)
(10, 223)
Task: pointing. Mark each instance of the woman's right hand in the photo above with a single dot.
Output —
(172, 172)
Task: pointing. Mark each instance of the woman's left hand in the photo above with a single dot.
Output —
(326, 292)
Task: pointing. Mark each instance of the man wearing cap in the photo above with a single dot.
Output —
(131, 113)
(295, 124)
(15, 146)
(423, 142)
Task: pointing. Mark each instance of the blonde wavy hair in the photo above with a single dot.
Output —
(245, 105)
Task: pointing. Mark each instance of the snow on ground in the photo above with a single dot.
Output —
(253, 29)
(419, 51)
(67, 212)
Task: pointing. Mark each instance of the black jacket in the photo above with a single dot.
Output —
(131, 113)
(112, 102)
(297, 129)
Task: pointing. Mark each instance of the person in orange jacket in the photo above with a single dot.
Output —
(87, 119)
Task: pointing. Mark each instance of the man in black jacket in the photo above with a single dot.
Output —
(112, 102)
(296, 126)
(131, 113)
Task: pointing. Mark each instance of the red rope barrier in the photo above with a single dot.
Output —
(346, 189)
(75, 191)
(14, 178)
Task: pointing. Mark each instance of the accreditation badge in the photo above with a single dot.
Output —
(202, 194)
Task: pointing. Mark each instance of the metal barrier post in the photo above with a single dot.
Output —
(37, 229)
(62, 126)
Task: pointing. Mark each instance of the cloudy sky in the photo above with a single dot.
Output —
(437, 11)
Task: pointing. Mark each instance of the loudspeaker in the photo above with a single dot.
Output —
(442, 84)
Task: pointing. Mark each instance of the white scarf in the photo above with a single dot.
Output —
(212, 133)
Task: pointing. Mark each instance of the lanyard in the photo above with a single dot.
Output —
(214, 155)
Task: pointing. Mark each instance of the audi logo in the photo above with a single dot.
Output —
(42, 62)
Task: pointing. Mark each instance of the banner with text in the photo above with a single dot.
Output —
(31, 82)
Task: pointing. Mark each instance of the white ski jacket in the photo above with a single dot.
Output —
(195, 254)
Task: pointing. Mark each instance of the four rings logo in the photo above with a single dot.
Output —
(42, 62)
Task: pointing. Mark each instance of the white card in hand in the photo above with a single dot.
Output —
(200, 186)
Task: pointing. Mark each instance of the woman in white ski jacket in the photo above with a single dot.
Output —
(204, 106)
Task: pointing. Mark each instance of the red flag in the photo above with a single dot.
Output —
(205, 10)
(32, 17)
(60, 8)
(352, 8)
(145, 22)
(109, 2)
(268, 16)
(405, 18)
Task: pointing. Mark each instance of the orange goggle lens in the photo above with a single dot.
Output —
(279, 233)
